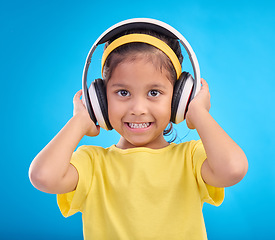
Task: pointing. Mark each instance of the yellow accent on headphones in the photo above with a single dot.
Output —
(144, 38)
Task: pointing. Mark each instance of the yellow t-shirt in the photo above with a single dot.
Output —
(141, 193)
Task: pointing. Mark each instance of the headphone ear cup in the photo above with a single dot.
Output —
(181, 97)
(87, 102)
(98, 99)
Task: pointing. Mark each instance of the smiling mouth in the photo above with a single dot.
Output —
(139, 125)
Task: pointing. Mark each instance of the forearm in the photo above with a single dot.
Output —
(225, 158)
(52, 163)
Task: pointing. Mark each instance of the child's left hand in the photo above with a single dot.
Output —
(201, 102)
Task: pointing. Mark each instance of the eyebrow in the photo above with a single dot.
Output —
(157, 86)
(121, 85)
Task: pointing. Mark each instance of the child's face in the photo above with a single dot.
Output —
(139, 104)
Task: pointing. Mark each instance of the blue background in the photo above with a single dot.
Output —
(43, 50)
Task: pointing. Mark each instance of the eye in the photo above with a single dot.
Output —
(153, 93)
(123, 93)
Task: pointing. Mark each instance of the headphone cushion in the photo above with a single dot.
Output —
(181, 96)
(98, 98)
(86, 101)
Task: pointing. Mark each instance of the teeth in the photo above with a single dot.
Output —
(138, 125)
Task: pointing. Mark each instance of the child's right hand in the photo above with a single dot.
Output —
(89, 127)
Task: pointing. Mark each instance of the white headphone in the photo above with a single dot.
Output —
(185, 89)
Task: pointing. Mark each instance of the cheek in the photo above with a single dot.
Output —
(167, 104)
(110, 107)
(163, 111)
(114, 111)
(166, 112)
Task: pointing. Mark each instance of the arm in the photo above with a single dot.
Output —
(51, 170)
(226, 163)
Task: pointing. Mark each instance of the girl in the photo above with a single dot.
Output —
(143, 187)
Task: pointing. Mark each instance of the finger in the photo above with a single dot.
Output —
(204, 84)
(77, 95)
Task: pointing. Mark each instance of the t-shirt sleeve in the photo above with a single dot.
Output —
(208, 193)
(72, 202)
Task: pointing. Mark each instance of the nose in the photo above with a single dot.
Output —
(139, 106)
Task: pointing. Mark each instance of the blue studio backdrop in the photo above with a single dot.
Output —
(43, 49)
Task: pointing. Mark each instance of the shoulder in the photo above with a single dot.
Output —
(191, 152)
(88, 153)
(90, 149)
(190, 146)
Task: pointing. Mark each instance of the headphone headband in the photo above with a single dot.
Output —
(139, 23)
(144, 38)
